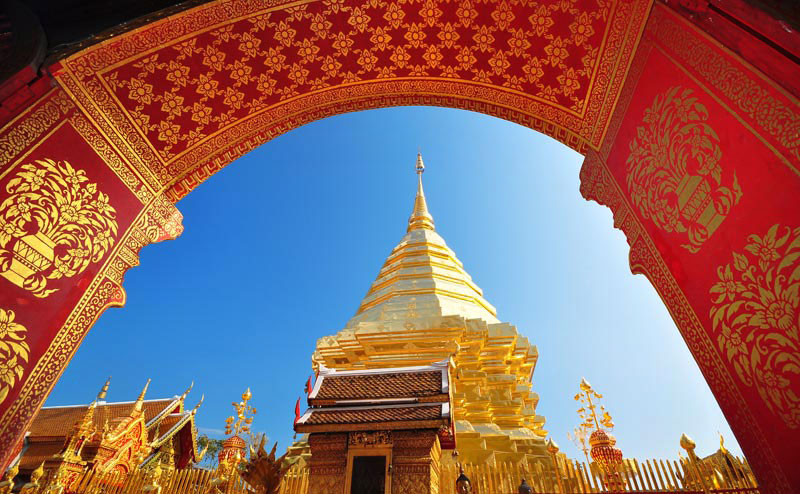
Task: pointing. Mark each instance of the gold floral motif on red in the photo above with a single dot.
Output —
(171, 88)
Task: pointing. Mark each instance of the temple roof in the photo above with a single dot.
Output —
(59, 421)
(381, 386)
(164, 419)
(422, 276)
(399, 398)
(415, 416)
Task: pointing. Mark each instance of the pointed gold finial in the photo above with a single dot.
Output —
(722, 443)
(139, 405)
(420, 217)
(196, 407)
(186, 393)
(37, 474)
(101, 396)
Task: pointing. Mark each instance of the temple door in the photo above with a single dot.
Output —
(369, 475)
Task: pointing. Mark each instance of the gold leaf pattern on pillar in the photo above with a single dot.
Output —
(14, 351)
(756, 317)
(53, 224)
(675, 171)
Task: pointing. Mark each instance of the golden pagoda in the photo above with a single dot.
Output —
(424, 308)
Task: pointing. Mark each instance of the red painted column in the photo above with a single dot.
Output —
(73, 216)
(701, 166)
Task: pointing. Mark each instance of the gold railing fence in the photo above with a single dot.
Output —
(578, 478)
(574, 477)
(295, 481)
(187, 481)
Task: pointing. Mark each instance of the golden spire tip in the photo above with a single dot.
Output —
(186, 393)
(196, 407)
(138, 406)
(101, 396)
(420, 217)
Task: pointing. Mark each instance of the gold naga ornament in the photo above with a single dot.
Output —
(264, 471)
(33, 485)
(8, 483)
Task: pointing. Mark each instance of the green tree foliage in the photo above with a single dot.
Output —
(214, 447)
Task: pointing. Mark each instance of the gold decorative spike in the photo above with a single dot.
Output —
(138, 406)
(196, 407)
(101, 396)
(186, 393)
(588, 412)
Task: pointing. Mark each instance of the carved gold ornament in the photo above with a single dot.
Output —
(13, 352)
(756, 316)
(675, 172)
(53, 224)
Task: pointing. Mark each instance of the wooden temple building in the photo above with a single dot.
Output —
(375, 390)
(378, 430)
(110, 437)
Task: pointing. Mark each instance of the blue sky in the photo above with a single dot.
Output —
(280, 247)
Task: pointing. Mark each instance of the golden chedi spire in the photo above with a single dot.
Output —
(424, 307)
(422, 275)
(420, 217)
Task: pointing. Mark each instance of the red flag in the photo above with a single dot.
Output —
(308, 386)
(297, 411)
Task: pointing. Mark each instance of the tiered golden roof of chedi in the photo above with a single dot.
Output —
(424, 308)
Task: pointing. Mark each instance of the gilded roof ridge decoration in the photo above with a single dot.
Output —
(106, 403)
(153, 422)
(185, 417)
(177, 401)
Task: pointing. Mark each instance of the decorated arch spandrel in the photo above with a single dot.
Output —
(73, 217)
(190, 93)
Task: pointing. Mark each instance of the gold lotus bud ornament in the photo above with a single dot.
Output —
(552, 447)
(687, 443)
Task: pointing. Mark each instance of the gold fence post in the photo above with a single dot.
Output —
(552, 448)
(689, 445)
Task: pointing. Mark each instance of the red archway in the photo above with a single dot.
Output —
(694, 150)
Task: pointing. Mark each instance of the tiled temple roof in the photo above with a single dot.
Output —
(414, 416)
(382, 385)
(48, 434)
(59, 421)
(36, 453)
(399, 398)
